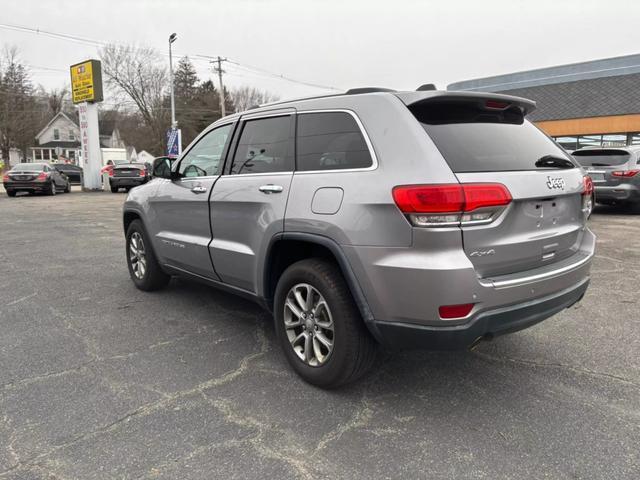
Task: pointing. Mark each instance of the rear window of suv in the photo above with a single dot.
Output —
(472, 138)
(601, 158)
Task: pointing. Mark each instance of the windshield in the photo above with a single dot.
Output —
(474, 139)
(28, 167)
(601, 158)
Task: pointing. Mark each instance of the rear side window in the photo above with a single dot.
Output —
(329, 141)
(474, 138)
(601, 158)
(264, 146)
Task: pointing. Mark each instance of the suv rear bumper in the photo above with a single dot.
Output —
(623, 192)
(404, 289)
(488, 324)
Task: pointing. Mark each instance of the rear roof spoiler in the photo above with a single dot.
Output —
(414, 98)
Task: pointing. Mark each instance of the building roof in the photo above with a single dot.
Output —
(606, 67)
(595, 97)
(578, 90)
(59, 114)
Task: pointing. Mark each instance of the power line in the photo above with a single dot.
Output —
(208, 58)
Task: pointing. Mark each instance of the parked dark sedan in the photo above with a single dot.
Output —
(128, 175)
(73, 172)
(34, 178)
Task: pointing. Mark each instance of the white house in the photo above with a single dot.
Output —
(61, 136)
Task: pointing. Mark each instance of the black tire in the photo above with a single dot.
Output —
(11, 193)
(114, 189)
(154, 278)
(52, 189)
(354, 349)
(68, 188)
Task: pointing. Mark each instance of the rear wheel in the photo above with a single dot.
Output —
(319, 326)
(114, 189)
(68, 188)
(143, 265)
(11, 193)
(52, 189)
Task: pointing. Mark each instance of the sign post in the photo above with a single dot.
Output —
(86, 91)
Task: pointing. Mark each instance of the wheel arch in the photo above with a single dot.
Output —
(290, 247)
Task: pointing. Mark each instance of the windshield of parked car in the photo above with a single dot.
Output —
(28, 167)
(601, 158)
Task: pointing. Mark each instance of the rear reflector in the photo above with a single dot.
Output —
(451, 204)
(455, 311)
(625, 173)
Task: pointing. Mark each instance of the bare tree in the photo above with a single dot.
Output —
(18, 110)
(246, 97)
(138, 73)
(57, 100)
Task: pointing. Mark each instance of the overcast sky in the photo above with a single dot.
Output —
(346, 43)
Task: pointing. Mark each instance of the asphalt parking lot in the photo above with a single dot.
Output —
(100, 380)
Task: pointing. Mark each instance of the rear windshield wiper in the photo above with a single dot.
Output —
(551, 161)
(600, 165)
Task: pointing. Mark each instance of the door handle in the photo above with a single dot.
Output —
(270, 188)
(199, 189)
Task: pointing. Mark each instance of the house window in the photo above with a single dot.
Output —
(72, 154)
(56, 134)
(72, 136)
(46, 154)
(37, 154)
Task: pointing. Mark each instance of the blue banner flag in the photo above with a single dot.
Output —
(173, 142)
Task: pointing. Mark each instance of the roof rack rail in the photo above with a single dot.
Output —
(426, 87)
(355, 91)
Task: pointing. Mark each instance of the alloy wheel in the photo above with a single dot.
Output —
(137, 256)
(308, 324)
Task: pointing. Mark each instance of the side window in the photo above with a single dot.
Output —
(329, 141)
(204, 158)
(263, 146)
(56, 134)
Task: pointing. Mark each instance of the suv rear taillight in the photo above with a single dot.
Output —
(143, 172)
(111, 172)
(5, 177)
(42, 177)
(587, 196)
(453, 204)
(625, 173)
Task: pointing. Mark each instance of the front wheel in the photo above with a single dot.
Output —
(144, 269)
(319, 326)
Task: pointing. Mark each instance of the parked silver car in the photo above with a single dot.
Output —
(614, 172)
(408, 219)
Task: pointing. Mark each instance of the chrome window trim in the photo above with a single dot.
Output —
(261, 174)
(365, 135)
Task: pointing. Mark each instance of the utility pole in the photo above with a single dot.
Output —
(219, 71)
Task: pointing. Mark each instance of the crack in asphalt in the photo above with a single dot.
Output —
(571, 368)
(152, 407)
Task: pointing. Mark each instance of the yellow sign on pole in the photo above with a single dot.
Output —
(86, 81)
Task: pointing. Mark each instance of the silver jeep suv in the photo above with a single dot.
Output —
(424, 219)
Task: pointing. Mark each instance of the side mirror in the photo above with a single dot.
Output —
(162, 167)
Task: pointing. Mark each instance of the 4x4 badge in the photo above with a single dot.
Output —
(555, 183)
